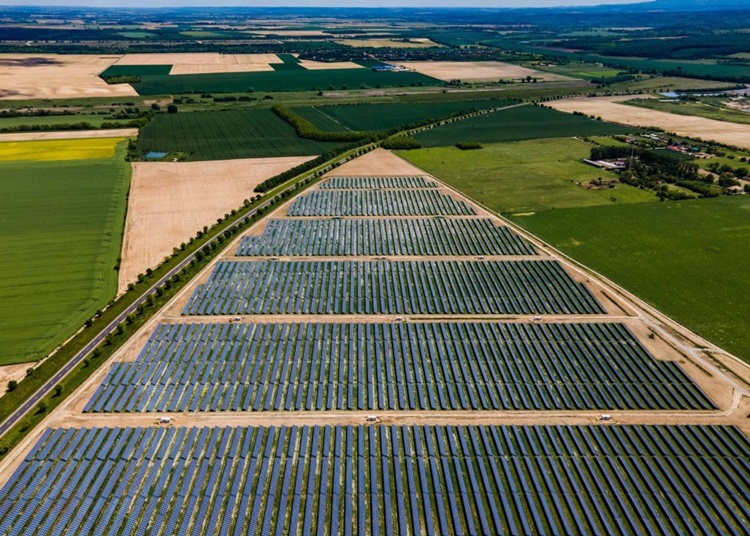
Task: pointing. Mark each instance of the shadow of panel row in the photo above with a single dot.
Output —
(382, 480)
(416, 366)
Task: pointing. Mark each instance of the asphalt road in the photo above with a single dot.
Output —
(77, 359)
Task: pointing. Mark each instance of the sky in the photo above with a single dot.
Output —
(315, 3)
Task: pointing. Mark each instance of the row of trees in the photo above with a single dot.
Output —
(305, 129)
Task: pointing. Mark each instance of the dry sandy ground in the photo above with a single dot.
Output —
(380, 163)
(199, 58)
(202, 63)
(293, 33)
(682, 125)
(169, 202)
(52, 76)
(311, 65)
(477, 70)
(389, 43)
(12, 372)
(69, 135)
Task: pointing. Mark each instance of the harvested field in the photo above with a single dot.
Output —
(311, 65)
(477, 70)
(610, 109)
(204, 63)
(68, 135)
(52, 76)
(378, 162)
(169, 202)
(292, 33)
(198, 59)
(208, 68)
(388, 43)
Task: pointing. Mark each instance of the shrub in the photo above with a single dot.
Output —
(468, 145)
(401, 143)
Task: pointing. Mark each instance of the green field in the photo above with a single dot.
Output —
(696, 109)
(523, 177)
(585, 71)
(137, 35)
(709, 69)
(95, 120)
(61, 232)
(517, 124)
(136, 70)
(289, 79)
(227, 135)
(669, 83)
(373, 117)
(688, 259)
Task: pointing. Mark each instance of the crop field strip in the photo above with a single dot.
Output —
(350, 237)
(279, 80)
(377, 183)
(431, 366)
(382, 480)
(385, 116)
(359, 203)
(381, 287)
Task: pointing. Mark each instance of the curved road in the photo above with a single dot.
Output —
(37, 397)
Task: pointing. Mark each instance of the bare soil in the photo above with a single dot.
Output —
(53, 76)
(202, 63)
(389, 43)
(380, 163)
(171, 201)
(311, 65)
(610, 109)
(477, 70)
(69, 135)
(13, 372)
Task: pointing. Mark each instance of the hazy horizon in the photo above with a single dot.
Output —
(317, 3)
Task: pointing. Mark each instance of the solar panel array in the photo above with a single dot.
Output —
(424, 202)
(480, 366)
(350, 237)
(387, 479)
(377, 183)
(382, 480)
(379, 287)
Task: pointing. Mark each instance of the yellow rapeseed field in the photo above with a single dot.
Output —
(79, 149)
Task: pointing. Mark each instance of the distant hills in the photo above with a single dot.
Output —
(679, 5)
